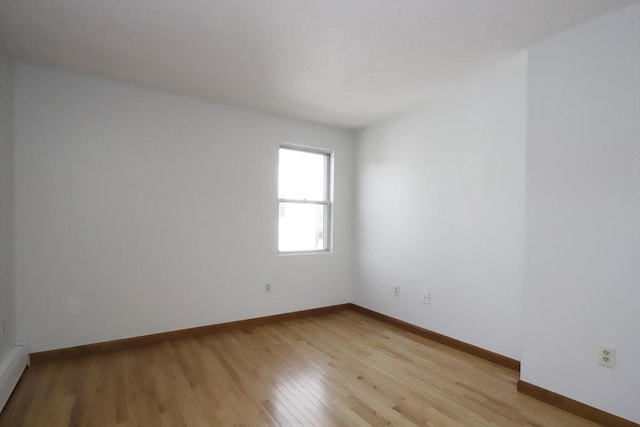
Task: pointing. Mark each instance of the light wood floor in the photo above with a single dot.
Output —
(341, 369)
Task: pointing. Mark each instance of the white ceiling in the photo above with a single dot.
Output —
(344, 63)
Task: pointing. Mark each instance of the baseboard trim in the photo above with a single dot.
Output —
(585, 411)
(103, 347)
(121, 344)
(490, 356)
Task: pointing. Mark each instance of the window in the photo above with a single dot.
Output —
(304, 195)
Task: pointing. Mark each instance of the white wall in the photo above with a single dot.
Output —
(441, 194)
(7, 282)
(582, 285)
(157, 212)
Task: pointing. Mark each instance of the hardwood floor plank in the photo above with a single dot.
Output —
(338, 369)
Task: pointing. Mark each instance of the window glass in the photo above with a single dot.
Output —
(304, 203)
(302, 175)
(301, 227)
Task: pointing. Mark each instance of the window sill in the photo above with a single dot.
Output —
(325, 252)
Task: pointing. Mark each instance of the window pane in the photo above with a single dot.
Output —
(301, 175)
(301, 227)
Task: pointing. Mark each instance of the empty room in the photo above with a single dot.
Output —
(320, 213)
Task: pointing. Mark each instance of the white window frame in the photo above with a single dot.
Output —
(327, 202)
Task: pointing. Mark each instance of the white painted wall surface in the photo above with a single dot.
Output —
(156, 212)
(582, 285)
(7, 277)
(441, 207)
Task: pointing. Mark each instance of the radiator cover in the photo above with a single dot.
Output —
(11, 369)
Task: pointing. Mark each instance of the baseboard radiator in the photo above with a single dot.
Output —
(11, 369)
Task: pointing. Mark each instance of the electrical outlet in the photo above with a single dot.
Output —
(396, 290)
(426, 297)
(73, 308)
(267, 288)
(607, 356)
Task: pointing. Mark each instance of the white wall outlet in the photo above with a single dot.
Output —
(73, 307)
(267, 288)
(396, 290)
(426, 297)
(607, 356)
